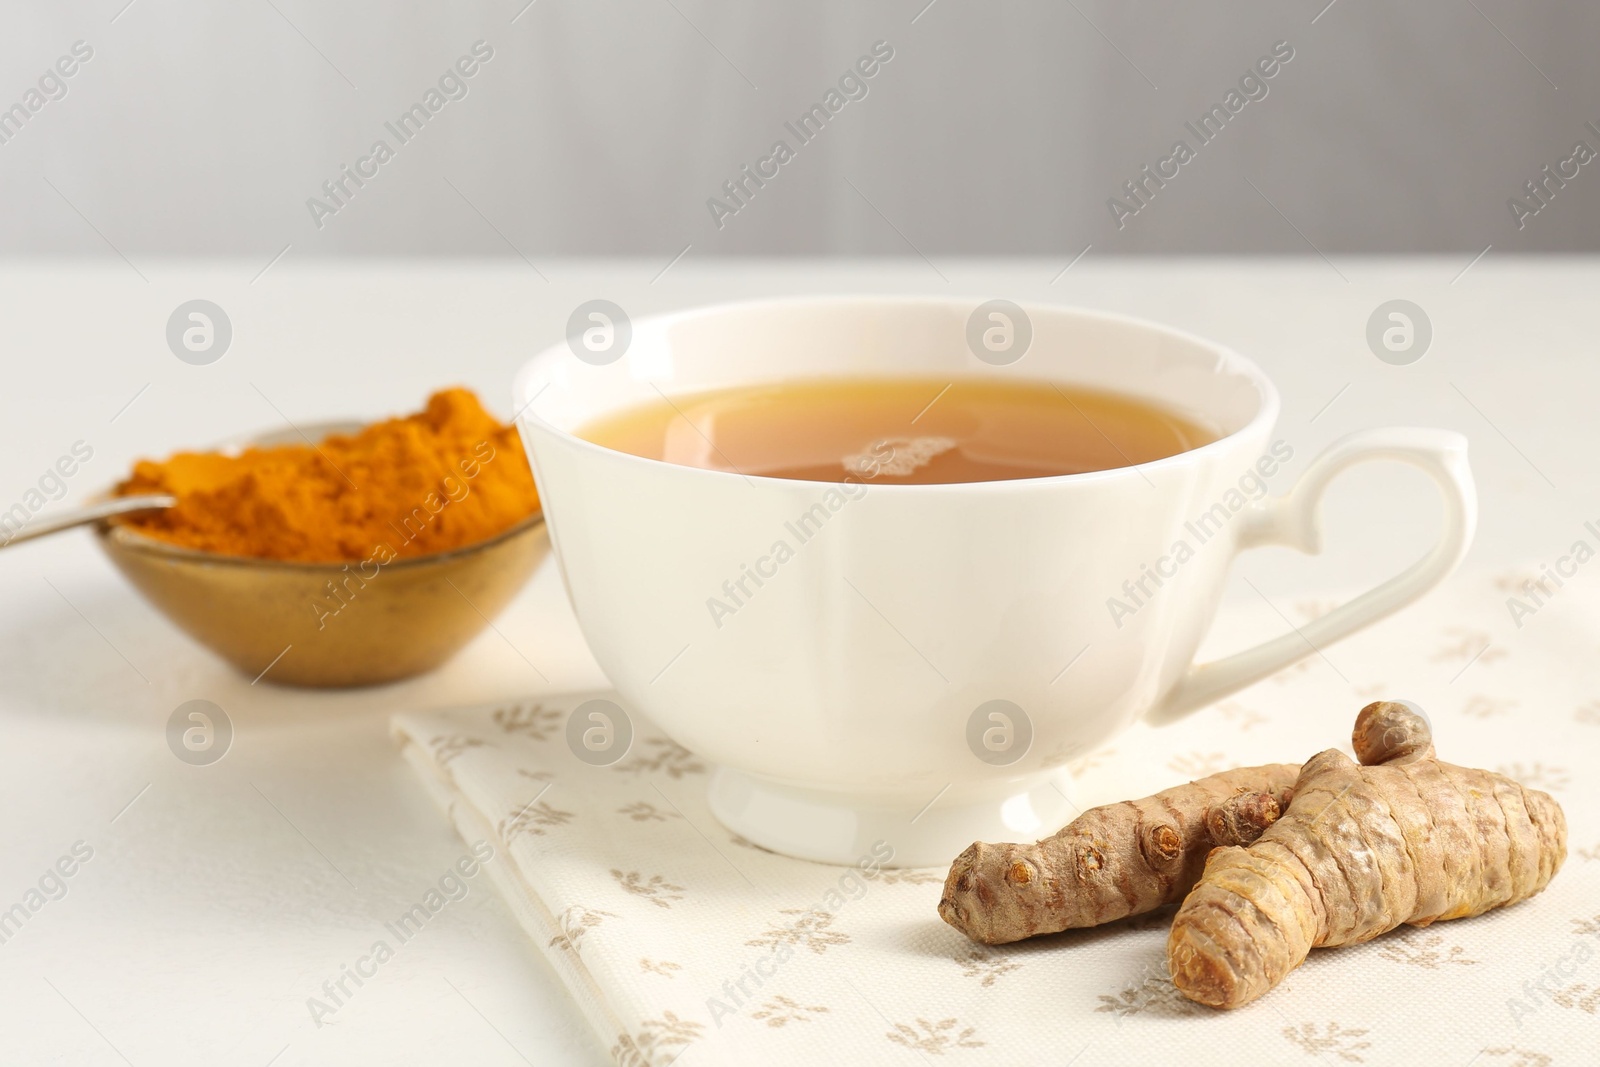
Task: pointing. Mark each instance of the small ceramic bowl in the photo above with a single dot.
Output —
(324, 624)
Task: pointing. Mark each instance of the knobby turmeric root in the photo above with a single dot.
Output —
(1403, 839)
(1113, 861)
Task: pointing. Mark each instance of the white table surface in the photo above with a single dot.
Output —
(222, 897)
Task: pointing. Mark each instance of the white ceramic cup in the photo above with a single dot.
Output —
(851, 696)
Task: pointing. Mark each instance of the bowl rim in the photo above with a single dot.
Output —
(110, 532)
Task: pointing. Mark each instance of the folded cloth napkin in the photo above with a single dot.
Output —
(683, 942)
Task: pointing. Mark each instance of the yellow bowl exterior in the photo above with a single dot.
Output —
(322, 624)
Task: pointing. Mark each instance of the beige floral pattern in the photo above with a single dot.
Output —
(1154, 991)
(644, 811)
(1536, 775)
(1422, 949)
(781, 1011)
(664, 755)
(665, 968)
(1463, 645)
(1484, 707)
(985, 964)
(530, 720)
(1200, 764)
(1061, 752)
(1512, 581)
(532, 819)
(810, 929)
(1332, 1038)
(1240, 715)
(1519, 1057)
(655, 1036)
(447, 747)
(934, 1038)
(1292, 672)
(656, 889)
(1097, 758)
(573, 924)
(905, 876)
(745, 842)
(1581, 996)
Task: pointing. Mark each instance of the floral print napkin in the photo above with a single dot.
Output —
(685, 943)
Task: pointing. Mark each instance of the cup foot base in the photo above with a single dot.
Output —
(838, 828)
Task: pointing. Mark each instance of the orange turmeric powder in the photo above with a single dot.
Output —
(448, 476)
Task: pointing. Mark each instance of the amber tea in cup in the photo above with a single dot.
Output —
(901, 430)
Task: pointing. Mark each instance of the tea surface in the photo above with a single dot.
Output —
(900, 430)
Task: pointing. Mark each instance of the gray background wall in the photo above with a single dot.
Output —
(602, 126)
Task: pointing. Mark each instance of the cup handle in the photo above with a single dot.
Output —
(1292, 520)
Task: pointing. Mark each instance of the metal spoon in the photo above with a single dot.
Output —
(93, 513)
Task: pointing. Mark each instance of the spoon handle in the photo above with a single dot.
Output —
(82, 516)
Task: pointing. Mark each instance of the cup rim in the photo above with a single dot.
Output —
(1230, 360)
